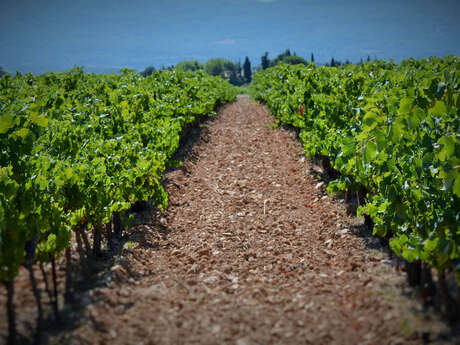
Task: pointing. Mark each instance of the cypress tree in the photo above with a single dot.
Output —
(247, 70)
(265, 62)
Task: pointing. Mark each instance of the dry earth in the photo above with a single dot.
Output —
(251, 251)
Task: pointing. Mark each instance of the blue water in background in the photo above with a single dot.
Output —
(104, 36)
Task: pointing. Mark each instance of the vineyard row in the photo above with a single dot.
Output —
(77, 150)
(392, 132)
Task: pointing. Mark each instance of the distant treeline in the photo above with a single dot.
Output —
(239, 74)
(293, 59)
(236, 73)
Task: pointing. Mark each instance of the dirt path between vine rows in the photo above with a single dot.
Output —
(251, 251)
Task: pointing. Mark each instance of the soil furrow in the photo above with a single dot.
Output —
(250, 251)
